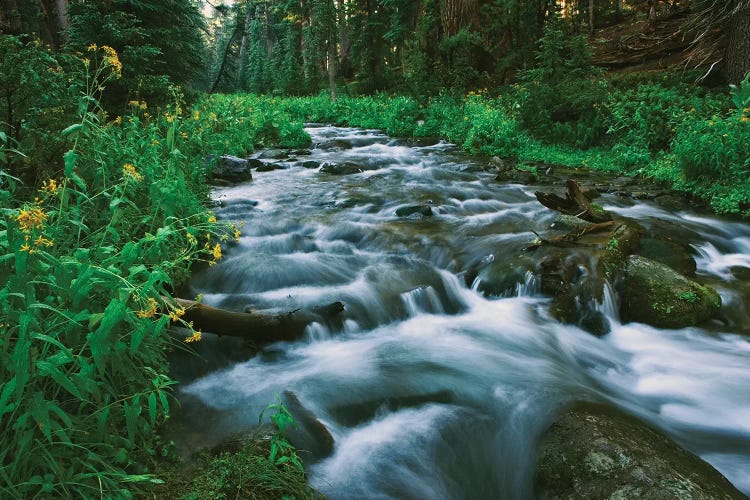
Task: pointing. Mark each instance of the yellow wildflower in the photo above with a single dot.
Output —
(41, 241)
(50, 187)
(192, 239)
(169, 117)
(237, 234)
(183, 135)
(217, 252)
(745, 119)
(176, 314)
(196, 115)
(129, 170)
(150, 310)
(92, 47)
(133, 104)
(27, 248)
(195, 337)
(212, 219)
(112, 60)
(32, 218)
(118, 120)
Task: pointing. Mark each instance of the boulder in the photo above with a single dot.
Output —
(670, 253)
(408, 210)
(595, 451)
(671, 202)
(269, 167)
(274, 154)
(309, 164)
(656, 294)
(232, 169)
(347, 168)
(570, 223)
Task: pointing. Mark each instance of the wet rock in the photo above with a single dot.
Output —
(570, 223)
(347, 168)
(504, 164)
(232, 169)
(671, 202)
(311, 438)
(655, 294)
(269, 167)
(254, 163)
(406, 211)
(273, 154)
(595, 451)
(301, 152)
(516, 176)
(670, 253)
(624, 241)
(741, 272)
(309, 164)
(334, 145)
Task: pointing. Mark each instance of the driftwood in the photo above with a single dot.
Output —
(260, 327)
(575, 203)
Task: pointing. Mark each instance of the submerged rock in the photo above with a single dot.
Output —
(274, 154)
(595, 451)
(232, 169)
(347, 168)
(269, 167)
(406, 211)
(309, 164)
(334, 145)
(658, 295)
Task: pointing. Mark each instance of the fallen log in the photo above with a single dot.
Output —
(260, 327)
(575, 203)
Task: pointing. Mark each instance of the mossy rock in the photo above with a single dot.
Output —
(670, 253)
(659, 296)
(595, 451)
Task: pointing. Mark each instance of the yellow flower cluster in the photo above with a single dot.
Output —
(195, 337)
(50, 187)
(112, 60)
(191, 239)
(150, 309)
(176, 314)
(216, 252)
(29, 220)
(138, 104)
(129, 170)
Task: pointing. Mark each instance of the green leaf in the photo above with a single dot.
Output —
(49, 369)
(73, 128)
(8, 388)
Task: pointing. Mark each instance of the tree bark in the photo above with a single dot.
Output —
(260, 327)
(737, 56)
(243, 50)
(459, 14)
(591, 16)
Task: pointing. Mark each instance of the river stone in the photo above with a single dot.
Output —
(670, 253)
(516, 176)
(311, 438)
(406, 211)
(347, 168)
(671, 202)
(269, 167)
(570, 223)
(659, 296)
(309, 164)
(595, 451)
(232, 169)
(274, 154)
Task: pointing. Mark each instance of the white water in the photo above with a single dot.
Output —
(430, 388)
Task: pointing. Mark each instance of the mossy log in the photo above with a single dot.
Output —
(261, 327)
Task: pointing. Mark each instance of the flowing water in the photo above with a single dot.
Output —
(432, 386)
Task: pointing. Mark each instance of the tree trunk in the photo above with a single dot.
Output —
(459, 14)
(345, 45)
(259, 327)
(332, 67)
(737, 55)
(591, 16)
(63, 18)
(243, 50)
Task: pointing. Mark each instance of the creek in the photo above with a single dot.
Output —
(432, 386)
